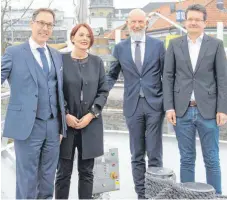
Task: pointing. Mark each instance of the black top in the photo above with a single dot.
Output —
(80, 76)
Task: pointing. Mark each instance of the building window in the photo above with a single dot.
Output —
(172, 8)
(101, 14)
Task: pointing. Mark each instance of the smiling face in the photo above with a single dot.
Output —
(137, 24)
(195, 23)
(82, 39)
(42, 27)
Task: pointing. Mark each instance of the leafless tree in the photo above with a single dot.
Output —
(6, 22)
(50, 2)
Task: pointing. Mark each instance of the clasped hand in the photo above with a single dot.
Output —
(73, 122)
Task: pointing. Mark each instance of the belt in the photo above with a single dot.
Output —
(192, 104)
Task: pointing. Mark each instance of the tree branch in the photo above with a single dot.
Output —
(31, 2)
(50, 2)
(4, 8)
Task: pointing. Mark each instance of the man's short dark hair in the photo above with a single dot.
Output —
(34, 15)
(199, 8)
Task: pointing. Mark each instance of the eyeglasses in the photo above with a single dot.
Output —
(42, 24)
(195, 20)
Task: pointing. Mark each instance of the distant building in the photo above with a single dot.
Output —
(161, 28)
(104, 14)
(101, 14)
(20, 30)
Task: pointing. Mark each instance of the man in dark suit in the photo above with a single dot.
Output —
(35, 112)
(140, 58)
(195, 95)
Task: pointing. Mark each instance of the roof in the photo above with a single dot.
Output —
(213, 16)
(123, 10)
(152, 6)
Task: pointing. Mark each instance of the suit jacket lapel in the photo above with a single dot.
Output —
(29, 57)
(184, 47)
(203, 49)
(55, 59)
(129, 54)
(52, 56)
(149, 49)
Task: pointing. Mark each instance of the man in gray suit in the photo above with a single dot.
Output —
(140, 58)
(35, 115)
(195, 95)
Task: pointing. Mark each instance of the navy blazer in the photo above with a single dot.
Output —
(18, 67)
(150, 78)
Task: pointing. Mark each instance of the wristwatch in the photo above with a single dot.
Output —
(95, 111)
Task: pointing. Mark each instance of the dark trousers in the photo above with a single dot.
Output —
(145, 133)
(64, 173)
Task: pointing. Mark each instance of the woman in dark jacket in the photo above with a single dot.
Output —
(85, 91)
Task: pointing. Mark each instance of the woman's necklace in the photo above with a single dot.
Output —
(79, 57)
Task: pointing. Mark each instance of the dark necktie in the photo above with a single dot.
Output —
(44, 60)
(138, 61)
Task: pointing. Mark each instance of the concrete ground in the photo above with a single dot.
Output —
(121, 141)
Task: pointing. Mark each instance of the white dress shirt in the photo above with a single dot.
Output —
(194, 49)
(36, 54)
(142, 48)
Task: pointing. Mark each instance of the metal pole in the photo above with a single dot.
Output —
(180, 18)
(168, 20)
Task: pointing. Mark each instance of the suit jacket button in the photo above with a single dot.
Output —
(34, 110)
(36, 95)
(85, 103)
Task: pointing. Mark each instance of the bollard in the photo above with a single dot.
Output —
(157, 179)
(196, 190)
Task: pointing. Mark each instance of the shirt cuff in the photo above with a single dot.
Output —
(170, 110)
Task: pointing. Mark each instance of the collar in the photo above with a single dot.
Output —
(199, 39)
(142, 40)
(34, 45)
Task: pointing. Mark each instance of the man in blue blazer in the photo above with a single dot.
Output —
(35, 116)
(140, 58)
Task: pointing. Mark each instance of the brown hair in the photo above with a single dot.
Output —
(77, 27)
(34, 15)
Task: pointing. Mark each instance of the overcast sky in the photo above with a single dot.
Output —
(67, 5)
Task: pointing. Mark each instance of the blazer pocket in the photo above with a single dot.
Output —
(213, 91)
(14, 107)
(176, 90)
(159, 85)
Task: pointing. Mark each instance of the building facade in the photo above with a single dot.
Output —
(19, 30)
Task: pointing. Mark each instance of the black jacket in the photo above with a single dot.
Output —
(90, 78)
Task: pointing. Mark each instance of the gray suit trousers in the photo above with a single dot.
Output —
(37, 159)
(145, 132)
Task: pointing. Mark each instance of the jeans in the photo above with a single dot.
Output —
(209, 137)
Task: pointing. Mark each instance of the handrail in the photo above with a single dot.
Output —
(168, 20)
